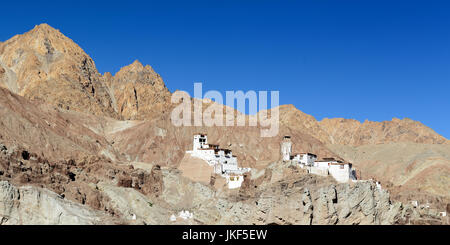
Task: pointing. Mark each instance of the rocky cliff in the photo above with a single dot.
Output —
(97, 191)
(28, 205)
(288, 195)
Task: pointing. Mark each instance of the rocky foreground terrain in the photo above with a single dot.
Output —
(79, 147)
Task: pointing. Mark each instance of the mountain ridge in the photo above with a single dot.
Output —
(137, 92)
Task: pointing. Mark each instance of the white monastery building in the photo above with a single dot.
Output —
(305, 159)
(183, 214)
(223, 160)
(340, 171)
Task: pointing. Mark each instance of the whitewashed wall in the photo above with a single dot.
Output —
(340, 174)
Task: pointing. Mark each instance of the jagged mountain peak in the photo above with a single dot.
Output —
(139, 91)
(137, 63)
(44, 27)
(136, 66)
(44, 64)
(44, 39)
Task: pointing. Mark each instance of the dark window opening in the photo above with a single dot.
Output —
(72, 176)
(25, 155)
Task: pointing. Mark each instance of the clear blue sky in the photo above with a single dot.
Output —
(354, 59)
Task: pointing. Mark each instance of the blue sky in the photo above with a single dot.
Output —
(353, 59)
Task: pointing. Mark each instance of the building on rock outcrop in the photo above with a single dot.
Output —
(340, 171)
(305, 159)
(223, 161)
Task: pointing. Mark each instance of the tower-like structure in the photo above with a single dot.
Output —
(286, 148)
(200, 141)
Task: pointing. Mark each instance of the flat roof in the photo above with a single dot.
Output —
(308, 153)
(340, 163)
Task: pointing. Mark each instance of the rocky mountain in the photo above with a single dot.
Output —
(138, 92)
(104, 145)
(43, 64)
(352, 132)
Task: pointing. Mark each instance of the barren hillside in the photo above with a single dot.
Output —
(411, 171)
